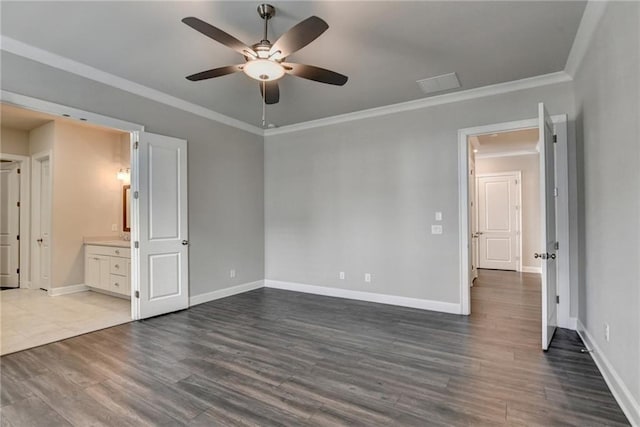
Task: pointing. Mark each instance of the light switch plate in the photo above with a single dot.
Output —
(436, 229)
(438, 216)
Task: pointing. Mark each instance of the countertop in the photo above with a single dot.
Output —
(113, 243)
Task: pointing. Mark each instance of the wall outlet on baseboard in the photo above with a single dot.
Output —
(606, 332)
(114, 227)
(232, 273)
(367, 277)
(341, 275)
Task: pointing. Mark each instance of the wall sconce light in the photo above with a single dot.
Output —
(124, 174)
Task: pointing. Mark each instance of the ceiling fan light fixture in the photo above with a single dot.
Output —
(263, 70)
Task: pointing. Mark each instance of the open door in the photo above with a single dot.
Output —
(9, 224)
(548, 226)
(162, 226)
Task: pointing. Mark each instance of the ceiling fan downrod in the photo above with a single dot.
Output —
(266, 12)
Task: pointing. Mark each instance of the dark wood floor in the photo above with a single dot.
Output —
(272, 357)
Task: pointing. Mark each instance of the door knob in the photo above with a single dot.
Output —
(185, 242)
(552, 256)
(541, 256)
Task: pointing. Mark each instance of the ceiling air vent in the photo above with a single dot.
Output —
(439, 83)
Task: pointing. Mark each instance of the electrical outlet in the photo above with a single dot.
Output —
(606, 332)
(232, 273)
(114, 227)
(341, 275)
(438, 216)
(367, 277)
(436, 229)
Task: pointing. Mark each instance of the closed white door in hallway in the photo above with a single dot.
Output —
(498, 221)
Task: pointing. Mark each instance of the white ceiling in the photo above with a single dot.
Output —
(521, 141)
(383, 46)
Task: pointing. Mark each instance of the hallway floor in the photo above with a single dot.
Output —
(30, 317)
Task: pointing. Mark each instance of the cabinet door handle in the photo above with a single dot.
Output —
(116, 266)
(117, 252)
(116, 284)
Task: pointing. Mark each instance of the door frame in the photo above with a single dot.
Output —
(565, 256)
(36, 212)
(24, 280)
(133, 129)
(519, 227)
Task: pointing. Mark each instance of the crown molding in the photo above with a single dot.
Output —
(464, 95)
(42, 56)
(591, 17)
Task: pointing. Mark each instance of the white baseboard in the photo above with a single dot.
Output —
(445, 307)
(227, 292)
(529, 269)
(70, 289)
(623, 396)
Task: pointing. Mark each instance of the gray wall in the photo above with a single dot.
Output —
(607, 103)
(226, 198)
(360, 196)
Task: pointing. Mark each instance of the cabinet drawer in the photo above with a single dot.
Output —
(108, 251)
(120, 284)
(119, 266)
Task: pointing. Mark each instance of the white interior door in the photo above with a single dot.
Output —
(163, 233)
(473, 208)
(41, 221)
(548, 226)
(498, 221)
(9, 225)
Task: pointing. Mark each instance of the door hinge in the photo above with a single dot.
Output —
(137, 294)
(135, 194)
(555, 191)
(18, 237)
(557, 299)
(136, 244)
(516, 182)
(18, 270)
(555, 138)
(135, 145)
(18, 204)
(18, 171)
(556, 245)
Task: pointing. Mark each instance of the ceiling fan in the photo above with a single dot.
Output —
(265, 61)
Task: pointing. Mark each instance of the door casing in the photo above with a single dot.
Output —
(566, 258)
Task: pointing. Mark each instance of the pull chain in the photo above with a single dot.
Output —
(264, 104)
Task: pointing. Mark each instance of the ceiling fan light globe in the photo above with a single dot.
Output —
(263, 70)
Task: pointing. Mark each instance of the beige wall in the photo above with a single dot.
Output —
(529, 166)
(42, 138)
(14, 141)
(86, 195)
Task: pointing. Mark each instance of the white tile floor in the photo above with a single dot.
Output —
(30, 317)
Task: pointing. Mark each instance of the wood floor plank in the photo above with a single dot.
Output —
(272, 357)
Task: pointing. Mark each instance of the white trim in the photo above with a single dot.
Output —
(507, 154)
(73, 113)
(25, 215)
(36, 211)
(591, 16)
(227, 292)
(564, 289)
(423, 304)
(62, 63)
(519, 226)
(464, 95)
(531, 269)
(65, 290)
(623, 396)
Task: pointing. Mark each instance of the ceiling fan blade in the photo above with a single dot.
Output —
(216, 72)
(315, 73)
(299, 36)
(273, 92)
(220, 36)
